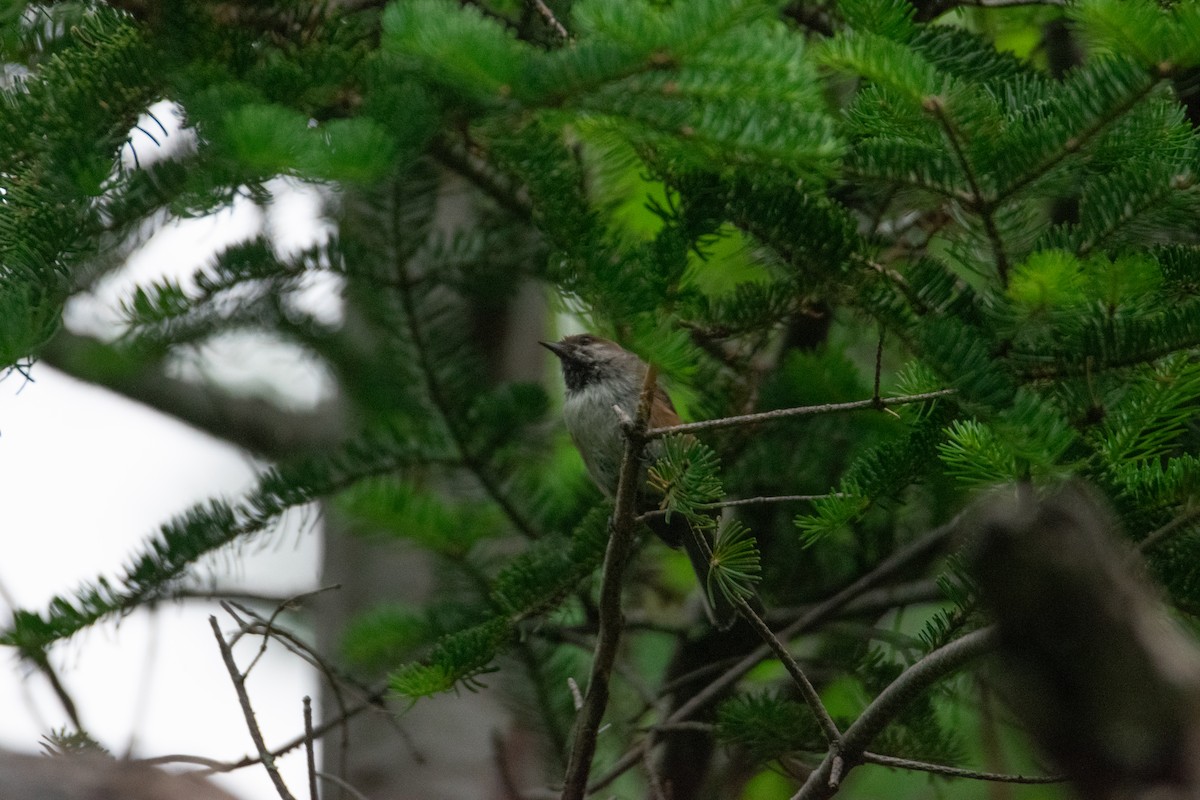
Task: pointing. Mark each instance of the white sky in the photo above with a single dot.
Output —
(87, 476)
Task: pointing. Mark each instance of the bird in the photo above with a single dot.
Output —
(600, 374)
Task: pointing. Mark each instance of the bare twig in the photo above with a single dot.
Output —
(333, 676)
(700, 727)
(42, 661)
(809, 692)
(309, 750)
(798, 411)
(748, 501)
(1155, 537)
(269, 625)
(817, 614)
(878, 364)
(955, 772)
(343, 785)
(239, 685)
(872, 602)
(213, 765)
(825, 779)
(551, 20)
(620, 543)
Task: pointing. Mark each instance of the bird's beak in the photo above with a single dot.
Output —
(556, 348)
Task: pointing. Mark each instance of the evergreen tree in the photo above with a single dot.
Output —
(959, 241)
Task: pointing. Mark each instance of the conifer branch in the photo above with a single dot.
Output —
(471, 460)
(872, 602)
(42, 661)
(824, 780)
(955, 772)
(620, 544)
(1075, 143)
(1130, 213)
(985, 208)
(462, 163)
(797, 411)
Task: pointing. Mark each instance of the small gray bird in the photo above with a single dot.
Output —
(600, 374)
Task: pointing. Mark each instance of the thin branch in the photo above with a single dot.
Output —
(41, 661)
(897, 561)
(287, 604)
(620, 544)
(470, 458)
(680, 727)
(297, 646)
(1075, 143)
(798, 411)
(372, 701)
(956, 772)
(474, 171)
(872, 602)
(878, 364)
(1153, 539)
(239, 685)
(747, 501)
(778, 498)
(823, 782)
(655, 783)
(809, 692)
(310, 751)
(342, 784)
(551, 20)
(223, 594)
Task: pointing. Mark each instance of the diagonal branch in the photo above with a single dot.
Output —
(893, 564)
(239, 685)
(620, 544)
(809, 692)
(823, 782)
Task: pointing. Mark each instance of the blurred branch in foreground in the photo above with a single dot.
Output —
(1088, 657)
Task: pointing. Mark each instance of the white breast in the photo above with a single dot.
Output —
(596, 431)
